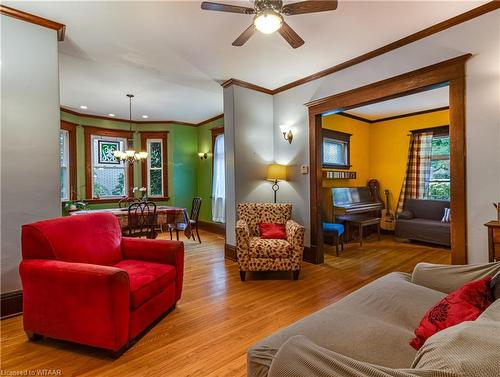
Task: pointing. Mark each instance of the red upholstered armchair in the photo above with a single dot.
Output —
(84, 282)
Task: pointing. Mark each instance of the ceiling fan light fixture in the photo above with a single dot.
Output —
(268, 21)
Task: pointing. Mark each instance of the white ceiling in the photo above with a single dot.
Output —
(173, 56)
(431, 99)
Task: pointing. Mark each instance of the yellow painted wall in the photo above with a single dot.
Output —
(378, 150)
(389, 148)
(360, 149)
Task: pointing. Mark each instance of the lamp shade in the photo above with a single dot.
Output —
(276, 172)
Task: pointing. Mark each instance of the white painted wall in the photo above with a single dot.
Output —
(481, 37)
(29, 136)
(248, 128)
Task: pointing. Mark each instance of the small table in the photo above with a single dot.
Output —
(361, 222)
(493, 240)
(164, 215)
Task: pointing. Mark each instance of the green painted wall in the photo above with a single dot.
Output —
(188, 176)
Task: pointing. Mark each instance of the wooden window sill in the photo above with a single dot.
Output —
(116, 200)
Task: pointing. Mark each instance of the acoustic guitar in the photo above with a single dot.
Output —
(388, 220)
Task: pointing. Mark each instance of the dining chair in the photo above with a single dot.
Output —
(127, 201)
(193, 221)
(193, 218)
(141, 220)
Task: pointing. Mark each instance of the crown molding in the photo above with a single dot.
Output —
(113, 119)
(405, 115)
(247, 85)
(31, 18)
(446, 24)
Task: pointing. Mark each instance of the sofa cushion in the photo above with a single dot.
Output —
(269, 248)
(89, 238)
(367, 325)
(495, 286)
(146, 279)
(427, 209)
(469, 349)
(464, 304)
(432, 231)
(447, 278)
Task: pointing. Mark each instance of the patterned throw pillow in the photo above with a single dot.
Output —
(272, 231)
(464, 304)
(447, 216)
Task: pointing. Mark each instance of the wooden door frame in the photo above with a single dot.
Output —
(450, 72)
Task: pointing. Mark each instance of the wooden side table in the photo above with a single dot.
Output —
(493, 240)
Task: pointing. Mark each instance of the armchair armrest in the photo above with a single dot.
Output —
(157, 251)
(448, 278)
(242, 243)
(76, 301)
(295, 233)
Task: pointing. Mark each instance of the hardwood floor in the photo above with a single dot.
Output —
(219, 317)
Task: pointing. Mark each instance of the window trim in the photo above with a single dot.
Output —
(96, 131)
(440, 132)
(341, 137)
(215, 132)
(155, 135)
(71, 129)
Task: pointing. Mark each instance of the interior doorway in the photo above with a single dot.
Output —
(386, 177)
(449, 73)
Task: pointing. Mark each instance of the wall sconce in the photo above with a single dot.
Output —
(202, 156)
(287, 133)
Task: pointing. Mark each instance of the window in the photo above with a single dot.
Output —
(105, 176)
(67, 160)
(109, 178)
(154, 171)
(155, 167)
(439, 177)
(336, 149)
(218, 184)
(64, 161)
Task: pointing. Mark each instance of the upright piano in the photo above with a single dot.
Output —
(351, 202)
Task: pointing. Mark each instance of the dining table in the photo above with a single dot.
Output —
(165, 216)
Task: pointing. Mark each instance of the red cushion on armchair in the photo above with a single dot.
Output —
(84, 283)
(272, 231)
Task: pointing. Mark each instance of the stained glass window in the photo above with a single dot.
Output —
(334, 152)
(64, 162)
(155, 167)
(109, 178)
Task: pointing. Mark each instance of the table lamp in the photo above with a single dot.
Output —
(276, 172)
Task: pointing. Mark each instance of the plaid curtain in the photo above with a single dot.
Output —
(418, 168)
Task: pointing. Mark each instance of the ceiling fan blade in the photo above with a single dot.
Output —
(312, 6)
(290, 35)
(245, 36)
(206, 5)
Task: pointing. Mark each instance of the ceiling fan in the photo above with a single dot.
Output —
(268, 17)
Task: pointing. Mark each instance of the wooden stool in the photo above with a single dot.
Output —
(362, 222)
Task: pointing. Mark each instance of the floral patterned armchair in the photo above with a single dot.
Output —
(256, 254)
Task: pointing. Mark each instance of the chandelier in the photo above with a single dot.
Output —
(130, 155)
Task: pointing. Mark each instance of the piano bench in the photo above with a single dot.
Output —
(361, 223)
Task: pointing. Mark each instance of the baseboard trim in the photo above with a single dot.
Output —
(216, 228)
(11, 304)
(230, 252)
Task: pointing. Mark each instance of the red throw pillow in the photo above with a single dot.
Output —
(272, 231)
(464, 304)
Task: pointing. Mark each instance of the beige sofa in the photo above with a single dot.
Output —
(367, 333)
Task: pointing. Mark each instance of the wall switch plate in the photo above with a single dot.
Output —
(304, 169)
